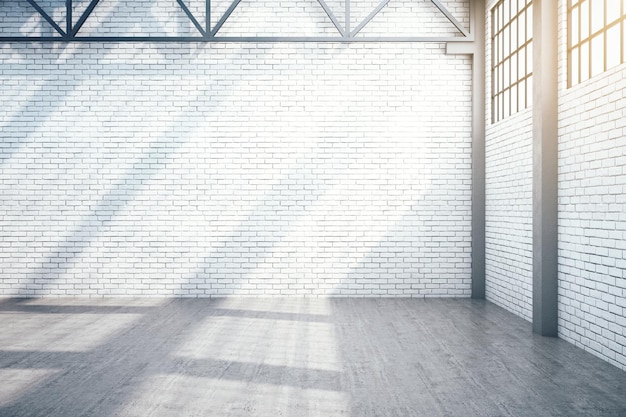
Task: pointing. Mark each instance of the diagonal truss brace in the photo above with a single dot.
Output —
(191, 17)
(332, 17)
(83, 18)
(225, 17)
(46, 17)
(369, 17)
(208, 34)
(451, 18)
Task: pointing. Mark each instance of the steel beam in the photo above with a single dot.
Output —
(68, 16)
(346, 26)
(451, 18)
(369, 17)
(545, 160)
(208, 33)
(476, 48)
(331, 16)
(225, 17)
(207, 8)
(191, 17)
(229, 39)
(83, 18)
(46, 17)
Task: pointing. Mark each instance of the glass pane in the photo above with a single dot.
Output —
(597, 15)
(612, 10)
(498, 107)
(574, 26)
(521, 95)
(514, 43)
(496, 81)
(514, 69)
(522, 63)
(506, 39)
(584, 61)
(507, 73)
(507, 109)
(624, 38)
(584, 20)
(597, 55)
(522, 27)
(529, 58)
(494, 51)
(496, 20)
(529, 91)
(507, 9)
(574, 61)
(612, 47)
(529, 21)
(514, 107)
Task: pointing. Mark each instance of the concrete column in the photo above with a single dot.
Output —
(545, 158)
(476, 49)
(478, 150)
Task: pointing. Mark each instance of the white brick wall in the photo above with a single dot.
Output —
(508, 234)
(592, 210)
(249, 169)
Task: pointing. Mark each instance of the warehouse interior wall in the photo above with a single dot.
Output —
(508, 199)
(200, 170)
(197, 169)
(591, 207)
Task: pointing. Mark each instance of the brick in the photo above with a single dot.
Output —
(263, 169)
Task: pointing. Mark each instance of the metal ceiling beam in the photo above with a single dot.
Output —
(235, 39)
(191, 17)
(332, 17)
(369, 17)
(208, 34)
(83, 17)
(225, 17)
(46, 17)
(68, 16)
(451, 18)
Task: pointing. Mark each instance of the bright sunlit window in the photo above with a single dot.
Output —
(511, 57)
(597, 37)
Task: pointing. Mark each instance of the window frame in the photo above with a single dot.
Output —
(511, 85)
(579, 71)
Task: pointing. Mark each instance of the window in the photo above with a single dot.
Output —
(596, 37)
(511, 57)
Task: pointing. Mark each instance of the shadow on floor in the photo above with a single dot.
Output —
(291, 357)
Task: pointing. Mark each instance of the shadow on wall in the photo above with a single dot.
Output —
(137, 193)
(151, 160)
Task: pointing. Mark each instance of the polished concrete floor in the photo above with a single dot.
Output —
(291, 357)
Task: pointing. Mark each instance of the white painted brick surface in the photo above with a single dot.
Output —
(592, 210)
(508, 187)
(248, 169)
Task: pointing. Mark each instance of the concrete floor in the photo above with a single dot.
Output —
(291, 357)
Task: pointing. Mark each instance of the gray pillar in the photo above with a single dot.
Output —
(476, 49)
(478, 150)
(545, 158)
